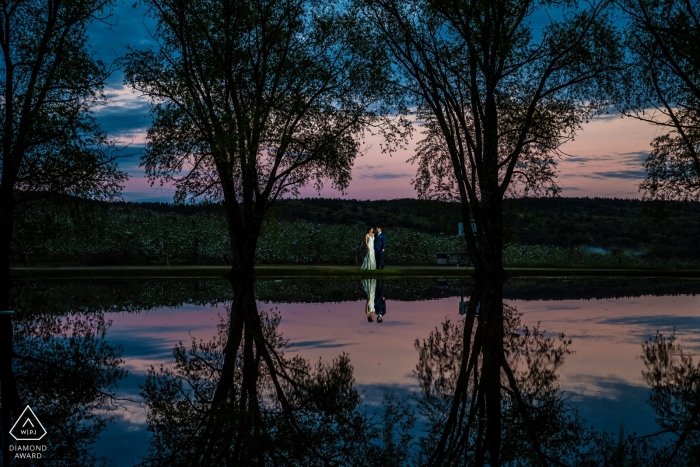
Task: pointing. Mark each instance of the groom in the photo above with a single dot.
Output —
(379, 246)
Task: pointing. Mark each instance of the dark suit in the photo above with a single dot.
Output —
(380, 300)
(379, 245)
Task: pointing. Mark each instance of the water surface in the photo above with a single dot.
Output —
(595, 365)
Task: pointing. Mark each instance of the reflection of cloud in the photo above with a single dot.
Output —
(686, 323)
(321, 344)
(384, 176)
(608, 403)
(562, 307)
(387, 322)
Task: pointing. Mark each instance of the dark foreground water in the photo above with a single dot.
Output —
(591, 372)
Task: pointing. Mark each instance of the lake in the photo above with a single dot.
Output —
(596, 371)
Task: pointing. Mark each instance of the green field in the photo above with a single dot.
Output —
(560, 233)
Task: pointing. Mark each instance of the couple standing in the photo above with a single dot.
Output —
(376, 300)
(375, 249)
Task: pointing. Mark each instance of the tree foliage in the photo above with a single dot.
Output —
(63, 366)
(50, 82)
(239, 400)
(663, 88)
(252, 100)
(497, 95)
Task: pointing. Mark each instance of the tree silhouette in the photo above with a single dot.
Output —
(489, 388)
(664, 89)
(50, 82)
(238, 400)
(61, 366)
(253, 100)
(496, 96)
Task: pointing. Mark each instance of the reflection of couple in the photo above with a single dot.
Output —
(376, 302)
(375, 244)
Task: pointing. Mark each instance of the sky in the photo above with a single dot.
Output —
(605, 160)
(601, 377)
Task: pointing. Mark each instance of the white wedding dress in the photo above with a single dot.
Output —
(369, 263)
(370, 286)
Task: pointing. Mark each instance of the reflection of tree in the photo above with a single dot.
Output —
(491, 394)
(63, 367)
(675, 397)
(238, 400)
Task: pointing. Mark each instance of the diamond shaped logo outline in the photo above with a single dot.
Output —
(28, 417)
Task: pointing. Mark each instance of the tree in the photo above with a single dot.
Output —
(238, 400)
(253, 100)
(49, 141)
(663, 37)
(490, 392)
(496, 96)
(62, 366)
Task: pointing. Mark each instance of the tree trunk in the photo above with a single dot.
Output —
(7, 222)
(9, 395)
(491, 315)
(491, 236)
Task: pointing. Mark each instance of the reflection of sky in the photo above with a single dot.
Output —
(606, 159)
(602, 378)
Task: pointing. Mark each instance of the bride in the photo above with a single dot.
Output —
(369, 262)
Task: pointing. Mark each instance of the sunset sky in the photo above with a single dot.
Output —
(605, 160)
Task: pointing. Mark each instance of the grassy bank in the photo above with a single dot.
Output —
(280, 271)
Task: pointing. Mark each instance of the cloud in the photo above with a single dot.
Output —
(634, 159)
(124, 119)
(128, 24)
(130, 164)
(570, 188)
(156, 195)
(384, 176)
(580, 159)
(622, 174)
(369, 167)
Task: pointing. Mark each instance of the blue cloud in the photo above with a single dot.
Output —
(686, 323)
(120, 120)
(157, 195)
(384, 176)
(321, 344)
(622, 174)
(128, 24)
(131, 160)
(634, 156)
(617, 404)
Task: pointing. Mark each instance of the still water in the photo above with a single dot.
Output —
(349, 372)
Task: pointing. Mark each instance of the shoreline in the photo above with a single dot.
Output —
(288, 271)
